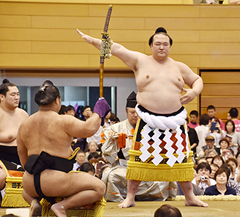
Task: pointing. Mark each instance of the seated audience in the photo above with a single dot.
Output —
(214, 168)
(218, 160)
(233, 162)
(80, 159)
(209, 160)
(70, 110)
(202, 179)
(232, 136)
(216, 131)
(167, 210)
(220, 188)
(193, 139)
(113, 119)
(211, 153)
(92, 147)
(202, 132)
(231, 183)
(88, 168)
(202, 159)
(62, 110)
(209, 145)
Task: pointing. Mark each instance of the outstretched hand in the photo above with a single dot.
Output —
(188, 97)
(87, 38)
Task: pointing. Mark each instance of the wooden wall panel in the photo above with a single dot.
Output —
(15, 21)
(43, 34)
(220, 101)
(221, 77)
(221, 89)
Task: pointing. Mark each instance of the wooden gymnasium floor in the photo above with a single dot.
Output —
(146, 209)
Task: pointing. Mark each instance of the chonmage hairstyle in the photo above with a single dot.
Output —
(160, 30)
(4, 86)
(47, 94)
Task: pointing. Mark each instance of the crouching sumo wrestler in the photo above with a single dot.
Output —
(44, 147)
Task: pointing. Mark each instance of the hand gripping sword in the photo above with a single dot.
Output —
(105, 49)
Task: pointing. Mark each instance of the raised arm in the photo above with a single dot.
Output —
(130, 58)
(75, 127)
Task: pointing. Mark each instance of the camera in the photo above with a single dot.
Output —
(203, 178)
(213, 126)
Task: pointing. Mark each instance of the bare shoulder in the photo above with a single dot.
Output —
(22, 112)
(182, 66)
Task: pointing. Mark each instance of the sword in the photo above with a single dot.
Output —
(105, 49)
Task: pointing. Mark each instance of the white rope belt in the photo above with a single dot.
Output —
(162, 122)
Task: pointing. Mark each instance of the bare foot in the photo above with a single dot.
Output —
(35, 209)
(195, 202)
(59, 210)
(127, 203)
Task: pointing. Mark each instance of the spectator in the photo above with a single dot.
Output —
(209, 145)
(232, 136)
(202, 131)
(80, 159)
(202, 159)
(220, 188)
(107, 120)
(113, 119)
(211, 113)
(209, 160)
(216, 131)
(88, 168)
(233, 162)
(224, 150)
(62, 110)
(233, 112)
(211, 153)
(193, 139)
(86, 112)
(202, 179)
(193, 119)
(214, 168)
(167, 210)
(218, 160)
(92, 147)
(70, 110)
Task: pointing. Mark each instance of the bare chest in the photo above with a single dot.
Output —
(164, 75)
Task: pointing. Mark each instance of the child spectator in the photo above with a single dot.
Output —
(193, 119)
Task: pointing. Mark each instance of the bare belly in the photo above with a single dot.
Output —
(12, 143)
(160, 104)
